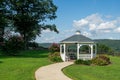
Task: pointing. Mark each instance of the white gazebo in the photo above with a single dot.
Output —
(70, 48)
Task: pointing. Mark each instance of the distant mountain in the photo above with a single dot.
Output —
(114, 44)
(45, 45)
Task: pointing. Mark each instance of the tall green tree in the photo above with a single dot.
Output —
(103, 49)
(3, 20)
(30, 16)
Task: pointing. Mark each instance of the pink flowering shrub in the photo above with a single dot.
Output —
(54, 47)
(54, 55)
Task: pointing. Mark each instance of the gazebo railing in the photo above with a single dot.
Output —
(85, 56)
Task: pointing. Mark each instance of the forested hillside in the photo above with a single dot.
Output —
(114, 44)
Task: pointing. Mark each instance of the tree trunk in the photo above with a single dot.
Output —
(25, 41)
(24, 38)
(1, 34)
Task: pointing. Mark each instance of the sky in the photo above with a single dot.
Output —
(96, 19)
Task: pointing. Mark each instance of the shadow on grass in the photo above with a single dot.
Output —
(1, 62)
(34, 54)
(29, 54)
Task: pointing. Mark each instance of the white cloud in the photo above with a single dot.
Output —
(111, 38)
(92, 26)
(104, 31)
(80, 23)
(94, 19)
(97, 23)
(117, 30)
(49, 39)
(86, 34)
(91, 22)
(91, 19)
(106, 25)
(95, 26)
(107, 31)
(46, 31)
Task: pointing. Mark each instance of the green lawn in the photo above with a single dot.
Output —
(22, 67)
(81, 72)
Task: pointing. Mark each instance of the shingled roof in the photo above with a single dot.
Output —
(77, 38)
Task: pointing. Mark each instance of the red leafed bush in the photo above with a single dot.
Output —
(101, 60)
(55, 57)
(54, 47)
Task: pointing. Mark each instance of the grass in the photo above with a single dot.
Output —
(82, 72)
(22, 67)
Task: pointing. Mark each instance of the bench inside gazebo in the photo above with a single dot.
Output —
(72, 48)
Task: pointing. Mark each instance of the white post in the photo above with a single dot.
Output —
(91, 51)
(60, 48)
(78, 47)
(95, 49)
(62, 52)
(65, 52)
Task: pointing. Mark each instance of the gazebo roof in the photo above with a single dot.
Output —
(77, 38)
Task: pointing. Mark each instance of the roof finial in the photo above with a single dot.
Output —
(78, 32)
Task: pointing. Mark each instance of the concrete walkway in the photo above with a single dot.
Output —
(52, 72)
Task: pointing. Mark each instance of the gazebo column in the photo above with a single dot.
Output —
(61, 51)
(78, 47)
(64, 51)
(61, 48)
(95, 49)
(91, 46)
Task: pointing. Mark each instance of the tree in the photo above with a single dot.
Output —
(3, 21)
(13, 45)
(30, 16)
(103, 49)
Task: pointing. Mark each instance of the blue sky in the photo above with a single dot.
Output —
(96, 19)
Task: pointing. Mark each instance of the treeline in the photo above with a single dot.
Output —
(114, 44)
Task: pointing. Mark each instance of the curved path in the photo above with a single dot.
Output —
(52, 72)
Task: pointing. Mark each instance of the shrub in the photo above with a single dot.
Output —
(87, 62)
(101, 60)
(55, 57)
(54, 48)
(79, 61)
(33, 45)
(13, 46)
(84, 62)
